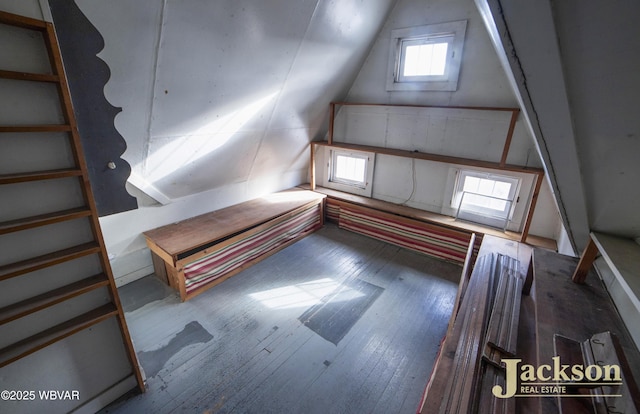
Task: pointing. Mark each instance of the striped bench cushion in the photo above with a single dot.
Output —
(437, 241)
(233, 256)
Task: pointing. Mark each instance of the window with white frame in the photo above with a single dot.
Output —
(350, 171)
(349, 168)
(426, 57)
(485, 198)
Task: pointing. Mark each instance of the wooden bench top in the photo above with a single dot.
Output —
(192, 233)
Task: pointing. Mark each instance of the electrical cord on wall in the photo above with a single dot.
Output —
(413, 183)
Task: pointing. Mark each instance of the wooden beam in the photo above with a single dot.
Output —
(473, 108)
(532, 208)
(312, 167)
(436, 158)
(586, 260)
(507, 143)
(35, 77)
(22, 21)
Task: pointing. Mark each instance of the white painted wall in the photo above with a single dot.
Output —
(35, 9)
(129, 255)
(466, 134)
(220, 99)
(482, 81)
(429, 185)
(219, 93)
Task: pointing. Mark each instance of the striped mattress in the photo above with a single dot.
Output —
(233, 256)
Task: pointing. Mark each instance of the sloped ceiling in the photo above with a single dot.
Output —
(227, 91)
(575, 67)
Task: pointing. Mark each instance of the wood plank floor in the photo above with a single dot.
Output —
(243, 346)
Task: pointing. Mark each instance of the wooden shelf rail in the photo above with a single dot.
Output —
(39, 176)
(36, 77)
(25, 266)
(49, 336)
(43, 220)
(36, 128)
(45, 300)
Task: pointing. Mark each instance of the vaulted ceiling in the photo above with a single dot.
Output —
(219, 92)
(574, 66)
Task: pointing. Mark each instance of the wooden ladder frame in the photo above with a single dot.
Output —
(46, 300)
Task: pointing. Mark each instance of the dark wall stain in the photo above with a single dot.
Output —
(80, 42)
(153, 361)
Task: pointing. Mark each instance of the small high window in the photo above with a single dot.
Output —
(350, 171)
(349, 168)
(423, 59)
(426, 57)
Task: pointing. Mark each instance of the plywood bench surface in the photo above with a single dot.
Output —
(195, 254)
(183, 236)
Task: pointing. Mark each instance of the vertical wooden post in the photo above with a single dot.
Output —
(507, 143)
(532, 208)
(312, 166)
(586, 260)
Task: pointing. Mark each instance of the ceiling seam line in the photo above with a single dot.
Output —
(284, 82)
(147, 144)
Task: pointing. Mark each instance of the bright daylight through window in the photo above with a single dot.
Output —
(426, 57)
(485, 198)
(486, 193)
(350, 171)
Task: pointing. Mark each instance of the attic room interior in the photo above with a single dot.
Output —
(384, 206)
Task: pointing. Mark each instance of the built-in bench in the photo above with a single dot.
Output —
(338, 201)
(434, 240)
(195, 254)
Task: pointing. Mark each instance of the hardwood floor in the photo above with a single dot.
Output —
(248, 344)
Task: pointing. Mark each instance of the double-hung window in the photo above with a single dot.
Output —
(426, 57)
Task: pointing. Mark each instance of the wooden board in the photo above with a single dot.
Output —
(576, 311)
(175, 239)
